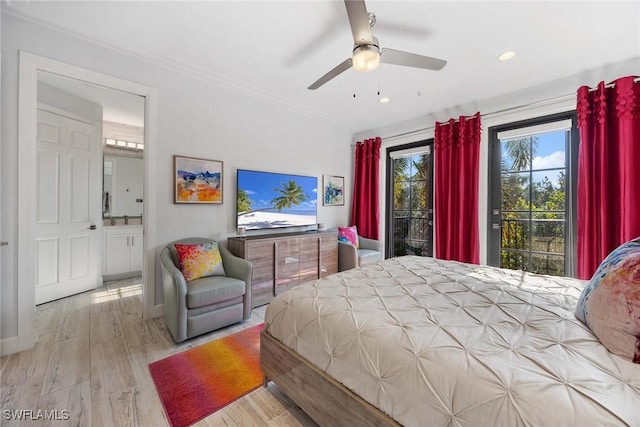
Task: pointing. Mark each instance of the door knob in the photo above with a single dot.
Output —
(91, 227)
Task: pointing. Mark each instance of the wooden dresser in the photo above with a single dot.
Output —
(281, 261)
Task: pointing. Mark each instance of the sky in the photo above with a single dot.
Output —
(260, 188)
(550, 153)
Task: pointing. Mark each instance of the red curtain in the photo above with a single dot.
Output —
(457, 149)
(608, 170)
(365, 212)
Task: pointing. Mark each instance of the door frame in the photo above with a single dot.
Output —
(388, 227)
(30, 65)
(494, 188)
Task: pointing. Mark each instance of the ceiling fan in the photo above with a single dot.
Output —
(367, 54)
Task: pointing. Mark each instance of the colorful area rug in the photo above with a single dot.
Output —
(200, 381)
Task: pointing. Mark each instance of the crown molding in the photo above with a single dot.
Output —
(198, 73)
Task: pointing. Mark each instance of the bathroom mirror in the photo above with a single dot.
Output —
(123, 169)
(122, 186)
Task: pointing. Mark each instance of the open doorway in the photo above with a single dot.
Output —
(31, 67)
(89, 175)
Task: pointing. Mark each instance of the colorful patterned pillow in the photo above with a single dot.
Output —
(610, 303)
(199, 260)
(349, 235)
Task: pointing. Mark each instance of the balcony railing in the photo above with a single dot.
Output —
(533, 245)
(410, 236)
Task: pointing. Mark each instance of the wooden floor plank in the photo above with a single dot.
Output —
(105, 326)
(122, 408)
(137, 331)
(73, 324)
(111, 370)
(68, 365)
(80, 301)
(48, 315)
(140, 359)
(71, 406)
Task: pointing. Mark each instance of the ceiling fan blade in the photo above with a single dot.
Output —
(337, 70)
(398, 57)
(359, 21)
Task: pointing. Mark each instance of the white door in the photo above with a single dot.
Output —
(68, 216)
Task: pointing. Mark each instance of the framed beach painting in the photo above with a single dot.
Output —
(333, 190)
(197, 180)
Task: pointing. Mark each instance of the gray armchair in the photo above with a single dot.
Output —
(349, 257)
(206, 304)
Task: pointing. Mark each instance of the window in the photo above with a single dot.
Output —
(532, 197)
(409, 225)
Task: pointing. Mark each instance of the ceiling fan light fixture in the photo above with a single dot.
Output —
(366, 58)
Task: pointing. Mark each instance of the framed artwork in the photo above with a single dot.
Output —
(333, 194)
(197, 180)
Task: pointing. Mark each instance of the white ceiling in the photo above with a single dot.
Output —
(275, 50)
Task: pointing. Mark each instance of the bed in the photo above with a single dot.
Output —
(418, 341)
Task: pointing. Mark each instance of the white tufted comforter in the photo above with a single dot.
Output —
(442, 343)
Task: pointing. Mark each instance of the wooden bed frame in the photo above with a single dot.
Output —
(323, 398)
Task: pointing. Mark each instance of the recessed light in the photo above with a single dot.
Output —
(507, 56)
(384, 100)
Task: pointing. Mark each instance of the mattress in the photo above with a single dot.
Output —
(442, 343)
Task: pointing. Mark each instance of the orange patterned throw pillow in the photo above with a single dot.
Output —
(199, 260)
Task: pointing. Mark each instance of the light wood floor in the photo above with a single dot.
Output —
(91, 359)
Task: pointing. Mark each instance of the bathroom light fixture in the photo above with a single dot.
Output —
(507, 56)
(384, 100)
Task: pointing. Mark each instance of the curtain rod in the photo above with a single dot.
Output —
(612, 84)
(488, 115)
(505, 110)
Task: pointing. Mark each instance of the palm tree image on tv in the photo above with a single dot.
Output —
(291, 194)
(269, 200)
(244, 202)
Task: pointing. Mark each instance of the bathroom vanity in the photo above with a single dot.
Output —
(123, 252)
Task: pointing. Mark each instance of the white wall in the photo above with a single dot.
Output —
(194, 118)
(553, 97)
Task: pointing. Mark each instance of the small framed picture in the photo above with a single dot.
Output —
(197, 180)
(333, 194)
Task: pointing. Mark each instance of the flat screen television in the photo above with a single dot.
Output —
(267, 200)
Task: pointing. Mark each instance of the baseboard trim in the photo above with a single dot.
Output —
(157, 311)
(12, 345)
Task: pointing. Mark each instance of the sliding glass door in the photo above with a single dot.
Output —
(409, 224)
(532, 197)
